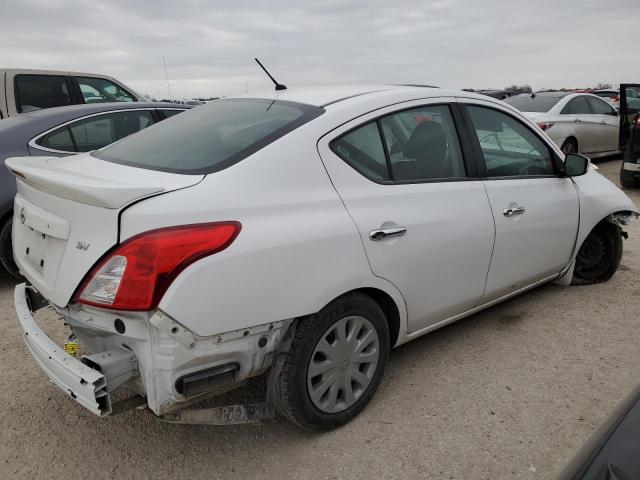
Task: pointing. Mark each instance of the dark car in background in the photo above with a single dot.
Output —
(62, 131)
(499, 94)
(629, 135)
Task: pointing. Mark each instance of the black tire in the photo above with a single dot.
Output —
(293, 399)
(599, 255)
(570, 145)
(628, 179)
(6, 251)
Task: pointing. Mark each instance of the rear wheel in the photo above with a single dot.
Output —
(628, 179)
(599, 255)
(6, 250)
(335, 363)
(570, 145)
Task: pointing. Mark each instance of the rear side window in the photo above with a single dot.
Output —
(211, 137)
(577, 106)
(96, 132)
(35, 92)
(423, 144)
(408, 146)
(362, 149)
(58, 140)
(100, 90)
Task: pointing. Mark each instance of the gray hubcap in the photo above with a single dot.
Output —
(343, 364)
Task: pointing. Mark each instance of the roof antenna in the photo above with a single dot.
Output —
(279, 86)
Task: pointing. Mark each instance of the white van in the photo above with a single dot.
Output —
(23, 90)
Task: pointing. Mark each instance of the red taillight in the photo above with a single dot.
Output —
(544, 126)
(135, 275)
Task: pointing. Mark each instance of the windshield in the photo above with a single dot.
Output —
(539, 103)
(211, 137)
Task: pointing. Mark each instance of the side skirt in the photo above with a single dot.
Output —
(449, 320)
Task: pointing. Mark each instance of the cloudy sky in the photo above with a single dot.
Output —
(209, 45)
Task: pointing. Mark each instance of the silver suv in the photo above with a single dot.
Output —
(23, 91)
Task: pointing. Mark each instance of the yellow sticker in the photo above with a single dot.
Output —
(72, 347)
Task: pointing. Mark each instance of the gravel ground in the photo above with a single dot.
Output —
(511, 392)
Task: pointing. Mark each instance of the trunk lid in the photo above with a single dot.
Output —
(66, 215)
(535, 116)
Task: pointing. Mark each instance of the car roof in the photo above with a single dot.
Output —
(324, 95)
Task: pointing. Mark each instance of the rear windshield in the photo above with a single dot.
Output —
(210, 137)
(539, 103)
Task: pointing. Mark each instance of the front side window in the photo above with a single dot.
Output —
(35, 92)
(577, 106)
(509, 147)
(100, 90)
(409, 146)
(600, 107)
(211, 137)
(96, 132)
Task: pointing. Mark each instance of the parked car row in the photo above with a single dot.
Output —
(576, 122)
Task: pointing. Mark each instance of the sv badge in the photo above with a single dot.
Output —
(82, 246)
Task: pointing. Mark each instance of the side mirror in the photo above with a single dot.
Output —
(576, 165)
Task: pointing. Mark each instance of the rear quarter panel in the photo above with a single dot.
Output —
(298, 248)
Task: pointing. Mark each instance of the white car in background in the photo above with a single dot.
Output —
(305, 233)
(576, 122)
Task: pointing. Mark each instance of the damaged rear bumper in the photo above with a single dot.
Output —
(85, 385)
(147, 353)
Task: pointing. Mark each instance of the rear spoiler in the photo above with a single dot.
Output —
(43, 173)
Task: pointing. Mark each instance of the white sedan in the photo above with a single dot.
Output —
(576, 122)
(303, 233)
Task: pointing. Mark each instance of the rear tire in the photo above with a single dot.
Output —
(319, 391)
(599, 255)
(628, 179)
(570, 145)
(6, 250)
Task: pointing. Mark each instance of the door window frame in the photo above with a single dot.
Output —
(558, 164)
(466, 149)
(33, 142)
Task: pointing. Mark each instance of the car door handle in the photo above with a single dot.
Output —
(510, 212)
(577, 120)
(602, 122)
(387, 232)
